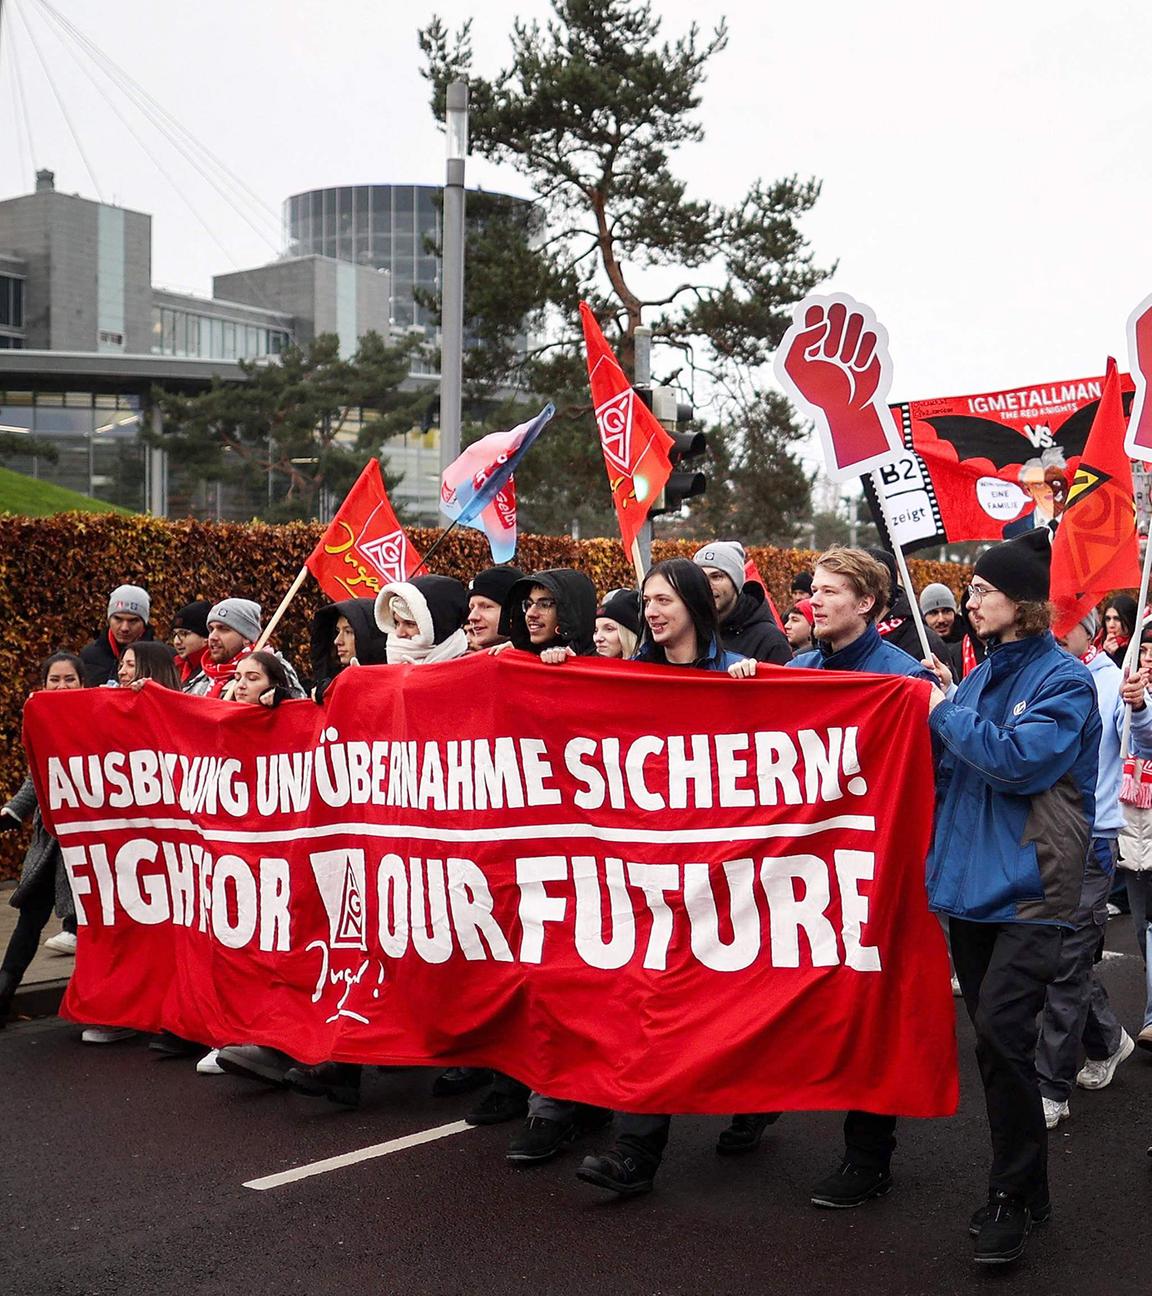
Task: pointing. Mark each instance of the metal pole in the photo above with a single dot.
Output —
(452, 282)
(642, 377)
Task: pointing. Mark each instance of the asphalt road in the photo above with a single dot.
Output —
(122, 1174)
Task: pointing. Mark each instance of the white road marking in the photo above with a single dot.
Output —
(354, 1158)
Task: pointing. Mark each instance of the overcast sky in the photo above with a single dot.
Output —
(986, 168)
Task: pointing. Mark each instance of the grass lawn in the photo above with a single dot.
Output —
(28, 497)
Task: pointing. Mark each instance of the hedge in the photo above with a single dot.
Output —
(56, 574)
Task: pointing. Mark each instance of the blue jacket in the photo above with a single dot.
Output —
(1019, 752)
(716, 659)
(868, 653)
(1107, 677)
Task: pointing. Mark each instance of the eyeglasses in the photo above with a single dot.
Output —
(541, 605)
(976, 592)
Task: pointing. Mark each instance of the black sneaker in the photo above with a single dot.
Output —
(745, 1133)
(540, 1140)
(617, 1172)
(495, 1108)
(1041, 1213)
(1004, 1231)
(458, 1080)
(339, 1082)
(176, 1046)
(851, 1185)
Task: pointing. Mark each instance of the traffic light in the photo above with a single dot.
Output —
(687, 446)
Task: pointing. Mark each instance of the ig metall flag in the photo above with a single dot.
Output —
(478, 489)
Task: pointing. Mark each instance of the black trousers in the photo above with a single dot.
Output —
(1004, 970)
(25, 939)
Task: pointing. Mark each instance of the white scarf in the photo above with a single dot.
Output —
(420, 653)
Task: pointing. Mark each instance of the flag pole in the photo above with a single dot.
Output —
(638, 562)
(439, 541)
(266, 633)
(902, 564)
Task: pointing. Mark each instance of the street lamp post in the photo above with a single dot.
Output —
(452, 272)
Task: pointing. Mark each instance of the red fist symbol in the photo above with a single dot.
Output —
(835, 362)
(1139, 440)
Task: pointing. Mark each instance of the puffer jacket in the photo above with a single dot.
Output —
(1018, 756)
(750, 630)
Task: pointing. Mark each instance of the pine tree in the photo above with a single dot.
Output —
(591, 110)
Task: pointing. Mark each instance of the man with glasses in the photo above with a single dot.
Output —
(1018, 749)
(553, 614)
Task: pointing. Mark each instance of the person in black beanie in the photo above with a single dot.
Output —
(618, 624)
(1017, 762)
(190, 638)
(488, 606)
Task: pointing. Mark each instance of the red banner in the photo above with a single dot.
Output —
(493, 862)
(987, 467)
(365, 547)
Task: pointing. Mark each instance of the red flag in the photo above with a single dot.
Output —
(635, 445)
(1094, 550)
(365, 547)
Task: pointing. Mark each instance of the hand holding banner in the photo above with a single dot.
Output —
(834, 362)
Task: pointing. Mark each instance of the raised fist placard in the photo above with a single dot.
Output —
(833, 362)
(1138, 442)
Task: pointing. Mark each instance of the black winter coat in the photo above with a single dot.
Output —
(750, 630)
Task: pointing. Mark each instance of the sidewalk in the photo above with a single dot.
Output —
(42, 989)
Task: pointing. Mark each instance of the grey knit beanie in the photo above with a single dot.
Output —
(129, 600)
(241, 615)
(726, 556)
(935, 597)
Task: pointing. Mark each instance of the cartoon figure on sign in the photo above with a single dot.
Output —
(1046, 480)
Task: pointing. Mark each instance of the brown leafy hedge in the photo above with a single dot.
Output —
(56, 574)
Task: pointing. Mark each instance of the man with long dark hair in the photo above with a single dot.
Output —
(681, 628)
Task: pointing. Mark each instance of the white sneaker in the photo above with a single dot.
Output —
(106, 1034)
(1098, 1075)
(1054, 1112)
(208, 1064)
(62, 943)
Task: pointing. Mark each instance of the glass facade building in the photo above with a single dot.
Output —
(11, 309)
(390, 227)
(180, 332)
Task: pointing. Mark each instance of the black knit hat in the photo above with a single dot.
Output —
(495, 582)
(623, 607)
(1020, 568)
(194, 617)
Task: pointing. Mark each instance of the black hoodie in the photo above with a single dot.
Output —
(575, 597)
(750, 630)
(897, 628)
(370, 640)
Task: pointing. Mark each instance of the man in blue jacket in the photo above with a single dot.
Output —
(850, 588)
(1018, 751)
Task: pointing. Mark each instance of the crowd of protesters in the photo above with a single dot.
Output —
(1039, 803)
